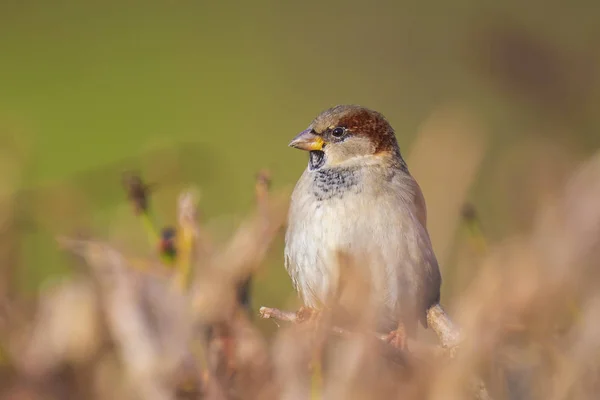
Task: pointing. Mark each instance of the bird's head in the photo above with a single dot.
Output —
(346, 134)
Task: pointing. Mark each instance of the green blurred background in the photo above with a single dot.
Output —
(89, 87)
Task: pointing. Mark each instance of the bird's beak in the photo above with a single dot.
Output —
(306, 140)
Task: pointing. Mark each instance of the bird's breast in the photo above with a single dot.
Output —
(340, 213)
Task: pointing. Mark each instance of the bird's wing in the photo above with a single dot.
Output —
(421, 207)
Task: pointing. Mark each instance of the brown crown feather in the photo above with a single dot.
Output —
(360, 121)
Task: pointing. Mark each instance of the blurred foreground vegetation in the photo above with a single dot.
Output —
(494, 104)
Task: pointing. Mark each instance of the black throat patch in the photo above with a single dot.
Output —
(335, 182)
(316, 159)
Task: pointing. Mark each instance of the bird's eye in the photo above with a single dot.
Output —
(338, 132)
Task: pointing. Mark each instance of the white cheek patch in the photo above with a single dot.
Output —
(348, 149)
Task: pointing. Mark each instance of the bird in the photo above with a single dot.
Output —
(357, 197)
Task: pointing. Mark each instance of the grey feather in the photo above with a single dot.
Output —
(367, 205)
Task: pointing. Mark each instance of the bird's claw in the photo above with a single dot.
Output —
(306, 314)
(398, 339)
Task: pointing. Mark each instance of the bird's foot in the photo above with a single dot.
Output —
(313, 322)
(307, 314)
(398, 338)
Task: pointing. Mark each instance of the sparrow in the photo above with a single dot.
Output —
(357, 197)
